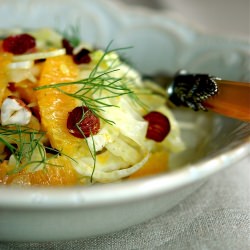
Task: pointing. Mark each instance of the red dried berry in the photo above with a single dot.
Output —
(68, 47)
(19, 44)
(87, 122)
(11, 86)
(82, 57)
(158, 126)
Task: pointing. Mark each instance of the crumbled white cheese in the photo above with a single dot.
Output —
(101, 139)
(14, 111)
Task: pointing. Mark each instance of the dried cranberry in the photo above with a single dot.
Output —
(69, 48)
(158, 126)
(82, 57)
(82, 122)
(11, 86)
(19, 44)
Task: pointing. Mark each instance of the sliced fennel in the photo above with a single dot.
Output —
(39, 55)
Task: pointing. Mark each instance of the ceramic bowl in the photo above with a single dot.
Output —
(161, 43)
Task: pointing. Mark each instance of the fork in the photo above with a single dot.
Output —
(205, 92)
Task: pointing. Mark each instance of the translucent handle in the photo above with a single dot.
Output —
(233, 100)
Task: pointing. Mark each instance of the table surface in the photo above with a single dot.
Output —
(216, 217)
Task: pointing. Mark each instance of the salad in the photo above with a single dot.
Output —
(72, 114)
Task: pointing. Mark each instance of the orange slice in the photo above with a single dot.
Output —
(3, 172)
(61, 173)
(156, 164)
(54, 106)
(26, 91)
(5, 59)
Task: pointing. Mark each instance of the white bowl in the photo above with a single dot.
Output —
(161, 43)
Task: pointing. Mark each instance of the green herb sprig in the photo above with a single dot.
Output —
(72, 35)
(22, 142)
(97, 82)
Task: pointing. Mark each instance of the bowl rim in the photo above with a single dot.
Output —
(122, 192)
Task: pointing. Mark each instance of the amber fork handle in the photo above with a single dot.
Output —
(201, 91)
(233, 100)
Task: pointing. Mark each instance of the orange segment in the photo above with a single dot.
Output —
(6, 93)
(5, 59)
(60, 173)
(54, 106)
(157, 163)
(3, 172)
(26, 91)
